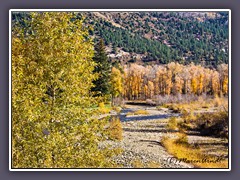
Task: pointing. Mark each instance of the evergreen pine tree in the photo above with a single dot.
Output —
(103, 68)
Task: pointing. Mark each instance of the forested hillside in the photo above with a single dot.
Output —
(160, 37)
(163, 37)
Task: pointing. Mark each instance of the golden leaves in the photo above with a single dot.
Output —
(173, 78)
(52, 73)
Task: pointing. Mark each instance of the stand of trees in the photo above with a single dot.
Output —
(146, 82)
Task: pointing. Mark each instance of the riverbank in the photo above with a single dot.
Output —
(143, 134)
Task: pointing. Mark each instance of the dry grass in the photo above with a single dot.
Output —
(181, 149)
(188, 117)
(178, 124)
(174, 107)
(215, 103)
(115, 129)
(182, 139)
(209, 117)
(172, 124)
(138, 112)
(221, 103)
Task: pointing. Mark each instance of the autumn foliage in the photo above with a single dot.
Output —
(53, 125)
(56, 78)
(143, 82)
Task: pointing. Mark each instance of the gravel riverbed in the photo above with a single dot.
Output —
(142, 135)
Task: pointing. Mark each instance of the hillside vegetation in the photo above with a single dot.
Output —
(160, 37)
(163, 37)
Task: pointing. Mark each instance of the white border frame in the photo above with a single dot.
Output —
(115, 10)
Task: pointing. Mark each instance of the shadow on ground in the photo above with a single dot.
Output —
(148, 130)
(124, 118)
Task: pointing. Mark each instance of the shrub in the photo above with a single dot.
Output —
(115, 129)
(184, 125)
(176, 108)
(215, 124)
(188, 116)
(103, 109)
(172, 124)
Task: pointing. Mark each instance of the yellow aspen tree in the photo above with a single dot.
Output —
(186, 77)
(116, 83)
(178, 86)
(145, 91)
(176, 70)
(223, 75)
(52, 74)
(207, 80)
(150, 89)
(200, 84)
(193, 73)
(225, 86)
(168, 82)
(194, 85)
(215, 83)
(159, 80)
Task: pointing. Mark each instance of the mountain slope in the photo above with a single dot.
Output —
(159, 37)
(163, 37)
